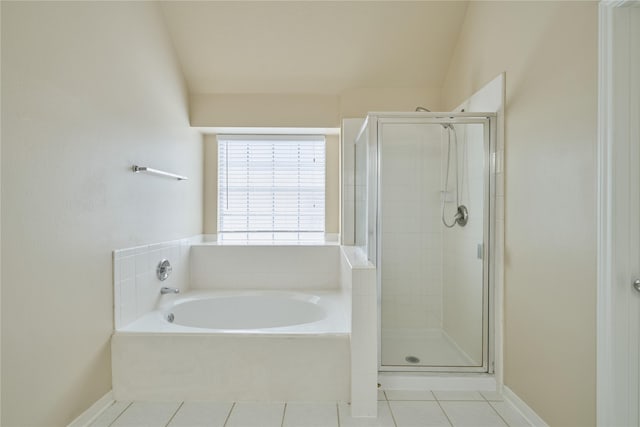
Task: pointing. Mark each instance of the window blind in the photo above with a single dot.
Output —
(271, 183)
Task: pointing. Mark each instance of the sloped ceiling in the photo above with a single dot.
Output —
(323, 47)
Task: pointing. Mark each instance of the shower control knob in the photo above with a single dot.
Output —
(164, 270)
(636, 285)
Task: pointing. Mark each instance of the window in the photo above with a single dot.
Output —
(271, 183)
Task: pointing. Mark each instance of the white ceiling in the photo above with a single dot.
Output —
(323, 47)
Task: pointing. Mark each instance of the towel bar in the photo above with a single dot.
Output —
(137, 169)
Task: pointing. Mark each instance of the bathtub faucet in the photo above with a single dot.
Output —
(164, 290)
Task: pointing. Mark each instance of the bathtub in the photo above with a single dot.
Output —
(235, 346)
(247, 313)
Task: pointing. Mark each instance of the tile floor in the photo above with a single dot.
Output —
(396, 408)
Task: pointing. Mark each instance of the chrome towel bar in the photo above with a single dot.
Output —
(137, 169)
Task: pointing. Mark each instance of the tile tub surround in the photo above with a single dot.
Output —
(136, 289)
(358, 279)
(274, 364)
(309, 265)
(215, 358)
(242, 266)
(205, 367)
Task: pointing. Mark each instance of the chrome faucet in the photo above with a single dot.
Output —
(165, 290)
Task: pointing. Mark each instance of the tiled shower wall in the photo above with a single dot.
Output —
(135, 284)
(461, 317)
(462, 247)
(198, 265)
(412, 235)
(350, 130)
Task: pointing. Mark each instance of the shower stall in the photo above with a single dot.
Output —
(424, 197)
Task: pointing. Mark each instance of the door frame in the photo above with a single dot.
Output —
(489, 122)
(617, 344)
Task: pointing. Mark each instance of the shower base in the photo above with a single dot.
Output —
(431, 347)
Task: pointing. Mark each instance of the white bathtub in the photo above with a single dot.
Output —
(247, 345)
(248, 312)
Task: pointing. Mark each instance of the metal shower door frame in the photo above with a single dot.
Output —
(375, 121)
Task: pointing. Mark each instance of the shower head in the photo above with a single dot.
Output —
(444, 125)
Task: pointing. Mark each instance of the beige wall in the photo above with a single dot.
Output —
(549, 53)
(264, 110)
(332, 184)
(0, 227)
(355, 103)
(88, 89)
(305, 110)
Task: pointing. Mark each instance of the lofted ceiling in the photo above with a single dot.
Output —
(322, 47)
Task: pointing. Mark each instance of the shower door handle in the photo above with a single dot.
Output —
(636, 285)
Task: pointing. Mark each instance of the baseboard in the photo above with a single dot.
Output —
(524, 409)
(94, 411)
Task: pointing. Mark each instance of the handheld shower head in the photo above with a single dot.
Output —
(425, 110)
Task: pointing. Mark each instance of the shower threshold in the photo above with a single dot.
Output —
(444, 381)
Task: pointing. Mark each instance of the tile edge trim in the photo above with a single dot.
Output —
(94, 411)
(521, 406)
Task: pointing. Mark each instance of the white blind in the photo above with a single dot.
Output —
(271, 183)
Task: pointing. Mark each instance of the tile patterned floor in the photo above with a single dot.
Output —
(396, 408)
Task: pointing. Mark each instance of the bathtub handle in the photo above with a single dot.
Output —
(164, 269)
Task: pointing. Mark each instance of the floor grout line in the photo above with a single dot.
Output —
(226, 420)
(393, 418)
(496, 411)
(284, 411)
(120, 414)
(174, 415)
(443, 411)
(101, 414)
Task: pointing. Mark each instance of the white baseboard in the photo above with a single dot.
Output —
(524, 409)
(94, 411)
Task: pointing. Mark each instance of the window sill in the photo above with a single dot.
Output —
(271, 239)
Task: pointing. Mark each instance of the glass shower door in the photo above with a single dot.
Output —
(432, 253)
